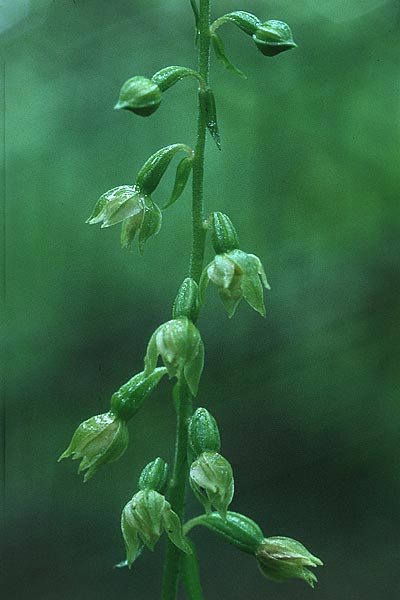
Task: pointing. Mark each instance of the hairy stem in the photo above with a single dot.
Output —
(198, 230)
(182, 396)
(177, 488)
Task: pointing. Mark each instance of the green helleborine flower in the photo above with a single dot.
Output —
(237, 275)
(281, 558)
(273, 37)
(139, 95)
(211, 480)
(180, 346)
(99, 440)
(128, 205)
(143, 520)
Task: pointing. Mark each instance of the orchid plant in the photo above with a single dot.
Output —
(157, 506)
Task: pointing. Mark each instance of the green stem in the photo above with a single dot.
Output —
(182, 396)
(177, 487)
(198, 229)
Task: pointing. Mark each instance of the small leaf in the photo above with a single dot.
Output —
(154, 168)
(219, 50)
(183, 171)
(193, 369)
(166, 78)
(151, 222)
(211, 115)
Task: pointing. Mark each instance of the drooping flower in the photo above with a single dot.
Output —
(99, 440)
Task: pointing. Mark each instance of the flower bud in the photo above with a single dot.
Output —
(154, 476)
(273, 37)
(224, 236)
(139, 95)
(186, 303)
(237, 275)
(143, 520)
(203, 432)
(211, 480)
(179, 344)
(282, 558)
(129, 398)
(99, 440)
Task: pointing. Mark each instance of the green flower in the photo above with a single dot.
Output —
(282, 558)
(211, 480)
(139, 95)
(128, 205)
(180, 346)
(273, 37)
(237, 275)
(143, 520)
(99, 440)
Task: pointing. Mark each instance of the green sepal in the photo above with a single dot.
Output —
(251, 286)
(237, 275)
(282, 558)
(186, 303)
(116, 205)
(129, 398)
(167, 77)
(154, 476)
(203, 432)
(154, 168)
(247, 22)
(183, 171)
(211, 480)
(219, 49)
(139, 95)
(143, 520)
(179, 343)
(151, 223)
(273, 37)
(211, 115)
(237, 529)
(99, 440)
(190, 574)
(223, 234)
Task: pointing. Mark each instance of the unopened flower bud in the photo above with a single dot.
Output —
(273, 37)
(180, 346)
(154, 476)
(223, 233)
(203, 432)
(211, 480)
(139, 95)
(143, 520)
(186, 303)
(99, 440)
(237, 275)
(282, 558)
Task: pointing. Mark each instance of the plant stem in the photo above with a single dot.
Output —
(198, 230)
(177, 487)
(182, 395)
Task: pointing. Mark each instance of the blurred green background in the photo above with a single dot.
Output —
(307, 400)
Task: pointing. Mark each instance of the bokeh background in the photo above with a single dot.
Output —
(307, 400)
